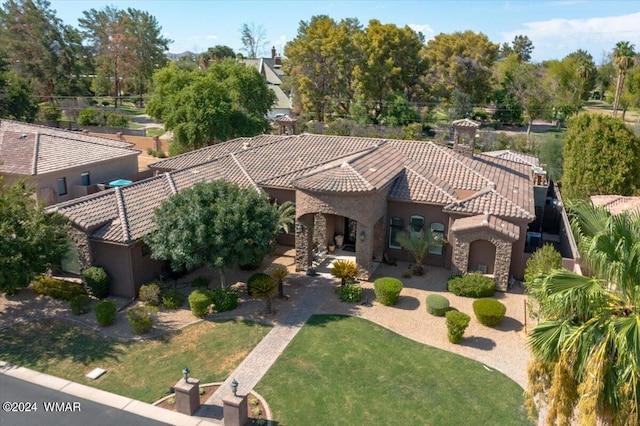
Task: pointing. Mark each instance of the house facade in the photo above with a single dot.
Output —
(365, 189)
(61, 164)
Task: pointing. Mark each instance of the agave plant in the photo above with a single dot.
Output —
(346, 270)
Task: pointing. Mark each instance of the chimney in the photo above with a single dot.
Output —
(273, 52)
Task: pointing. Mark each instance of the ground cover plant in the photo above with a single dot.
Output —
(142, 370)
(348, 371)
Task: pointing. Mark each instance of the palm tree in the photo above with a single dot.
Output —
(264, 287)
(346, 270)
(279, 274)
(622, 56)
(286, 214)
(586, 353)
(419, 243)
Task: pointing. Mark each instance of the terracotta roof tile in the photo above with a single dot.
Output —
(465, 122)
(338, 179)
(617, 204)
(421, 186)
(474, 223)
(517, 157)
(489, 201)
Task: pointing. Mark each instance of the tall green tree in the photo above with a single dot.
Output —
(30, 241)
(630, 97)
(623, 57)
(521, 46)
(16, 102)
(571, 81)
(462, 61)
(216, 224)
(601, 156)
(253, 38)
(586, 353)
(202, 107)
(215, 53)
(40, 48)
(528, 85)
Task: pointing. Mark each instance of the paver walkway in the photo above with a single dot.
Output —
(262, 357)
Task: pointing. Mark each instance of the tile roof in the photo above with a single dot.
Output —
(466, 123)
(617, 204)
(473, 223)
(416, 171)
(517, 157)
(32, 150)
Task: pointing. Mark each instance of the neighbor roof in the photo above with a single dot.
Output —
(31, 150)
(617, 204)
(518, 157)
(413, 171)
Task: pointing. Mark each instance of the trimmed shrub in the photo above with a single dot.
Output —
(140, 319)
(252, 265)
(58, 289)
(471, 285)
(543, 259)
(350, 293)
(80, 304)
(172, 299)
(254, 278)
(437, 305)
(224, 299)
(199, 302)
(97, 280)
(150, 294)
(457, 323)
(387, 290)
(115, 119)
(489, 312)
(200, 282)
(105, 312)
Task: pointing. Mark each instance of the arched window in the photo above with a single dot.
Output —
(417, 223)
(395, 227)
(438, 230)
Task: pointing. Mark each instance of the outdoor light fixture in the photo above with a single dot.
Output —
(185, 373)
(234, 387)
(362, 235)
(299, 227)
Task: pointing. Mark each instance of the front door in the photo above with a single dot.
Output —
(351, 229)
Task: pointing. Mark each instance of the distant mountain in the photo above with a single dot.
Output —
(176, 56)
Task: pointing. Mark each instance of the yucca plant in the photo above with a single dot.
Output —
(264, 287)
(346, 270)
(279, 274)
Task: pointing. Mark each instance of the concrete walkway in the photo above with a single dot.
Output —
(262, 357)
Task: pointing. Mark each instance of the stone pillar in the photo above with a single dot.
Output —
(320, 229)
(187, 396)
(234, 410)
(460, 260)
(364, 248)
(501, 265)
(304, 243)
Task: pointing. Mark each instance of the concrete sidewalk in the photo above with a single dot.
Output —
(261, 358)
(101, 397)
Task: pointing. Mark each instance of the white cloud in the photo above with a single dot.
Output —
(425, 29)
(212, 37)
(586, 34)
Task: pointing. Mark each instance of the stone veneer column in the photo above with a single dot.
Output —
(320, 229)
(81, 240)
(502, 264)
(460, 259)
(304, 243)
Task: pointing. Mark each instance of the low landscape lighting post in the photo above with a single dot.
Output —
(234, 387)
(185, 373)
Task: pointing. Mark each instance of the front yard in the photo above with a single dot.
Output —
(142, 370)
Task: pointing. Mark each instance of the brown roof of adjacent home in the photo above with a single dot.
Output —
(413, 171)
(617, 204)
(31, 150)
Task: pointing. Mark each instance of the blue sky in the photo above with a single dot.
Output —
(555, 27)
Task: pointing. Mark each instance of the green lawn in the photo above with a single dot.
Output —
(141, 370)
(154, 131)
(348, 371)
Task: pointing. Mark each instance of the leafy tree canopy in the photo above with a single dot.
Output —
(601, 156)
(30, 241)
(216, 224)
(16, 102)
(201, 107)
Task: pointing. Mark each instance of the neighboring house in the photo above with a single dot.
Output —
(617, 204)
(365, 189)
(61, 164)
(271, 70)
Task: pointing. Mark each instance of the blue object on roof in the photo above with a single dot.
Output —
(119, 182)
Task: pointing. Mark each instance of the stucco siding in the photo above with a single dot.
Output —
(116, 260)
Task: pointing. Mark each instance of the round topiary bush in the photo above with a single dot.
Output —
(199, 302)
(489, 312)
(457, 323)
(471, 285)
(350, 293)
(254, 278)
(58, 289)
(105, 312)
(200, 281)
(387, 290)
(437, 304)
(97, 280)
(224, 299)
(140, 319)
(150, 294)
(172, 299)
(80, 304)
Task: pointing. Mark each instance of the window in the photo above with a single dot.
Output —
(62, 186)
(86, 179)
(437, 229)
(395, 227)
(416, 224)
